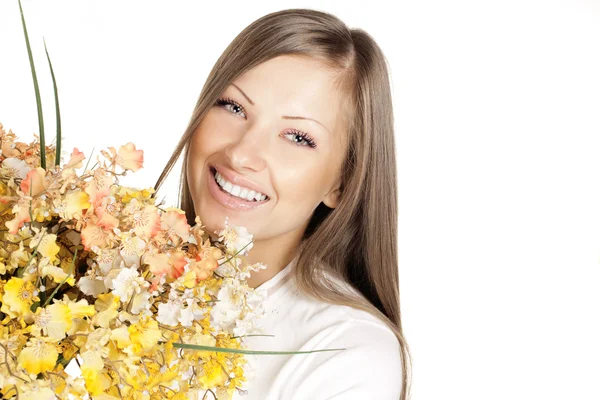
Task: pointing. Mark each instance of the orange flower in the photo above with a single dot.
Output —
(206, 260)
(76, 159)
(106, 220)
(99, 186)
(93, 235)
(21, 212)
(175, 224)
(129, 158)
(33, 184)
(203, 268)
(146, 221)
(161, 264)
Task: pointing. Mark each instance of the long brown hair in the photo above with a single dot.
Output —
(357, 240)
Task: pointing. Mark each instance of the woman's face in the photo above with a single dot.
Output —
(249, 138)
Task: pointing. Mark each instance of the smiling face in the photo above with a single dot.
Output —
(247, 138)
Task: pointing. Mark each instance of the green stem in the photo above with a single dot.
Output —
(58, 123)
(38, 99)
(240, 351)
(71, 270)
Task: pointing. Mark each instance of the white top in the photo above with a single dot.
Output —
(369, 368)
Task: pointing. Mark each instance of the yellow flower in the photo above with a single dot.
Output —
(38, 390)
(18, 297)
(80, 309)
(129, 194)
(162, 377)
(58, 274)
(19, 258)
(76, 202)
(53, 321)
(68, 349)
(46, 245)
(212, 374)
(39, 356)
(106, 306)
(90, 370)
(188, 279)
(144, 334)
(104, 396)
(201, 339)
(121, 336)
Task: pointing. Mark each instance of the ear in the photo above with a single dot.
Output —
(332, 198)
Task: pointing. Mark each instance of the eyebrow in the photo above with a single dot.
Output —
(283, 117)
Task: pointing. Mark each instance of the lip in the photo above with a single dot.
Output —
(227, 200)
(238, 179)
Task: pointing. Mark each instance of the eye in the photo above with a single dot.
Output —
(301, 139)
(235, 106)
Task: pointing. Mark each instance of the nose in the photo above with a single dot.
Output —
(247, 150)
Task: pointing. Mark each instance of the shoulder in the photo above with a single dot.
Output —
(362, 361)
(363, 358)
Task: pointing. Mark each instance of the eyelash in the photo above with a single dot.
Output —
(224, 101)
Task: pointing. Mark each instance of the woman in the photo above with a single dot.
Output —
(292, 138)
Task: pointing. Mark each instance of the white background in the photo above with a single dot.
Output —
(497, 108)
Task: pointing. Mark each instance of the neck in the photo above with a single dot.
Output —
(276, 253)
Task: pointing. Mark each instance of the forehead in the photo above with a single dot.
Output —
(294, 85)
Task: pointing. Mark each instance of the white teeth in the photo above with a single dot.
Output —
(238, 191)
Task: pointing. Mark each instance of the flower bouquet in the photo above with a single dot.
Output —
(103, 292)
(107, 294)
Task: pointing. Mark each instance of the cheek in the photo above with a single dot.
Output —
(205, 141)
(301, 185)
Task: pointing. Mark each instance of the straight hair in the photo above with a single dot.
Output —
(357, 240)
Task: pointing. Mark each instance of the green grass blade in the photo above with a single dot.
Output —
(58, 124)
(238, 252)
(37, 94)
(240, 351)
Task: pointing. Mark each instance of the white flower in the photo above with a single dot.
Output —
(127, 283)
(256, 267)
(228, 268)
(108, 259)
(251, 322)
(190, 313)
(91, 285)
(236, 238)
(168, 313)
(186, 317)
(140, 302)
(241, 327)
(251, 268)
(227, 310)
(131, 249)
(15, 168)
